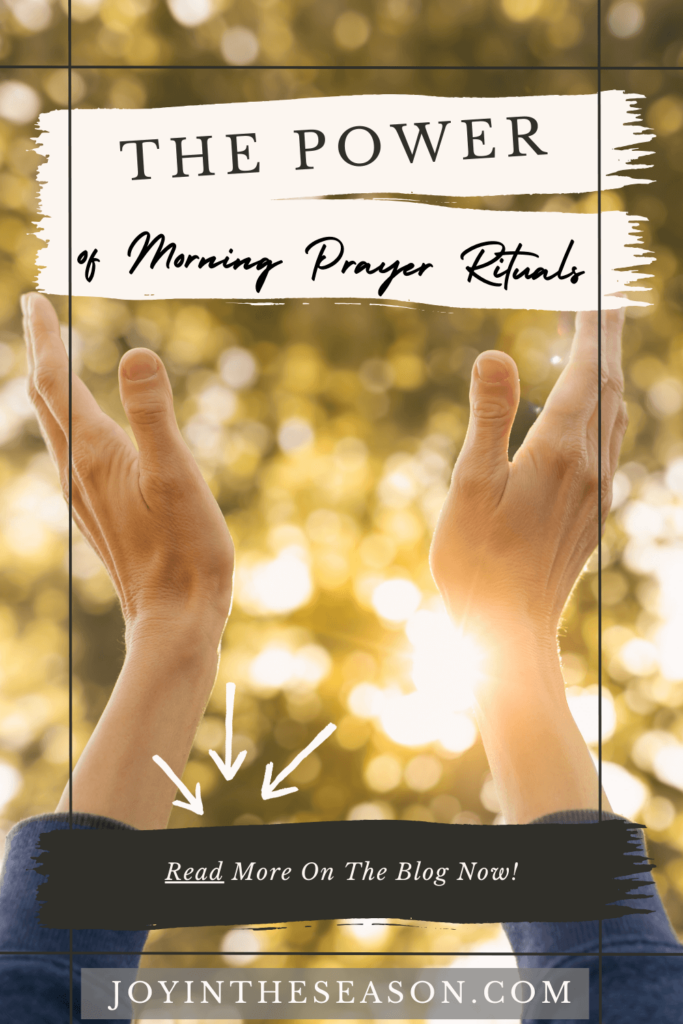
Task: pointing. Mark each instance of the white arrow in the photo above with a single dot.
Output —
(194, 803)
(269, 788)
(228, 768)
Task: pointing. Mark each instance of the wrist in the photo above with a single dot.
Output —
(188, 628)
(508, 644)
(521, 673)
(501, 624)
(186, 643)
(524, 638)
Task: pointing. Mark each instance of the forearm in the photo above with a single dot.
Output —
(155, 708)
(538, 758)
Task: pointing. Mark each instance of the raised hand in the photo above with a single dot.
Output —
(514, 536)
(146, 511)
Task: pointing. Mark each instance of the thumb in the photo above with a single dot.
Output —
(494, 397)
(148, 403)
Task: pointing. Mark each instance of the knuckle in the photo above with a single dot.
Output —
(606, 487)
(32, 390)
(64, 481)
(169, 486)
(223, 571)
(592, 480)
(569, 456)
(43, 380)
(490, 408)
(615, 384)
(147, 411)
(467, 484)
(606, 505)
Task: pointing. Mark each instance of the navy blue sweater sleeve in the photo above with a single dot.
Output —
(35, 961)
(640, 989)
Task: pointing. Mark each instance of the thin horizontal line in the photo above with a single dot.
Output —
(194, 881)
(33, 67)
(343, 67)
(642, 67)
(291, 952)
(315, 67)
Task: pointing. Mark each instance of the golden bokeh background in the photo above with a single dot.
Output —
(327, 433)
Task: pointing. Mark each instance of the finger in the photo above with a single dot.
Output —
(50, 372)
(610, 462)
(52, 433)
(565, 324)
(617, 438)
(494, 397)
(573, 399)
(55, 436)
(607, 476)
(90, 529)
(613, 381)
(606, 413)
(613, 410)
(614, 326)
(148, 402)
(87, 520)
(48, 361)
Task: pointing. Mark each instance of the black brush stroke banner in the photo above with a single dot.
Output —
(117, 879)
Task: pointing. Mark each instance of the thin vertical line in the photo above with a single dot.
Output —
(70, 494)
(600, 510)
(599, 475)
(70, 449)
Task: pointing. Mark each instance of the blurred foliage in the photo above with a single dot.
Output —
(327, 433)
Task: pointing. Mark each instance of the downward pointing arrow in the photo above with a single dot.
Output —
(194, 803)
(269, 790)
(228, 768)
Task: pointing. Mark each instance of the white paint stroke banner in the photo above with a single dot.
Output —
(340, 145)
(351, 249)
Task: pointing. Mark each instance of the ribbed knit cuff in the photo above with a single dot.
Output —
(20, 930)
(649, 933)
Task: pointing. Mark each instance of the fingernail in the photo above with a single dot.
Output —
(140, 366)
(492, 369)
(24, 303)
